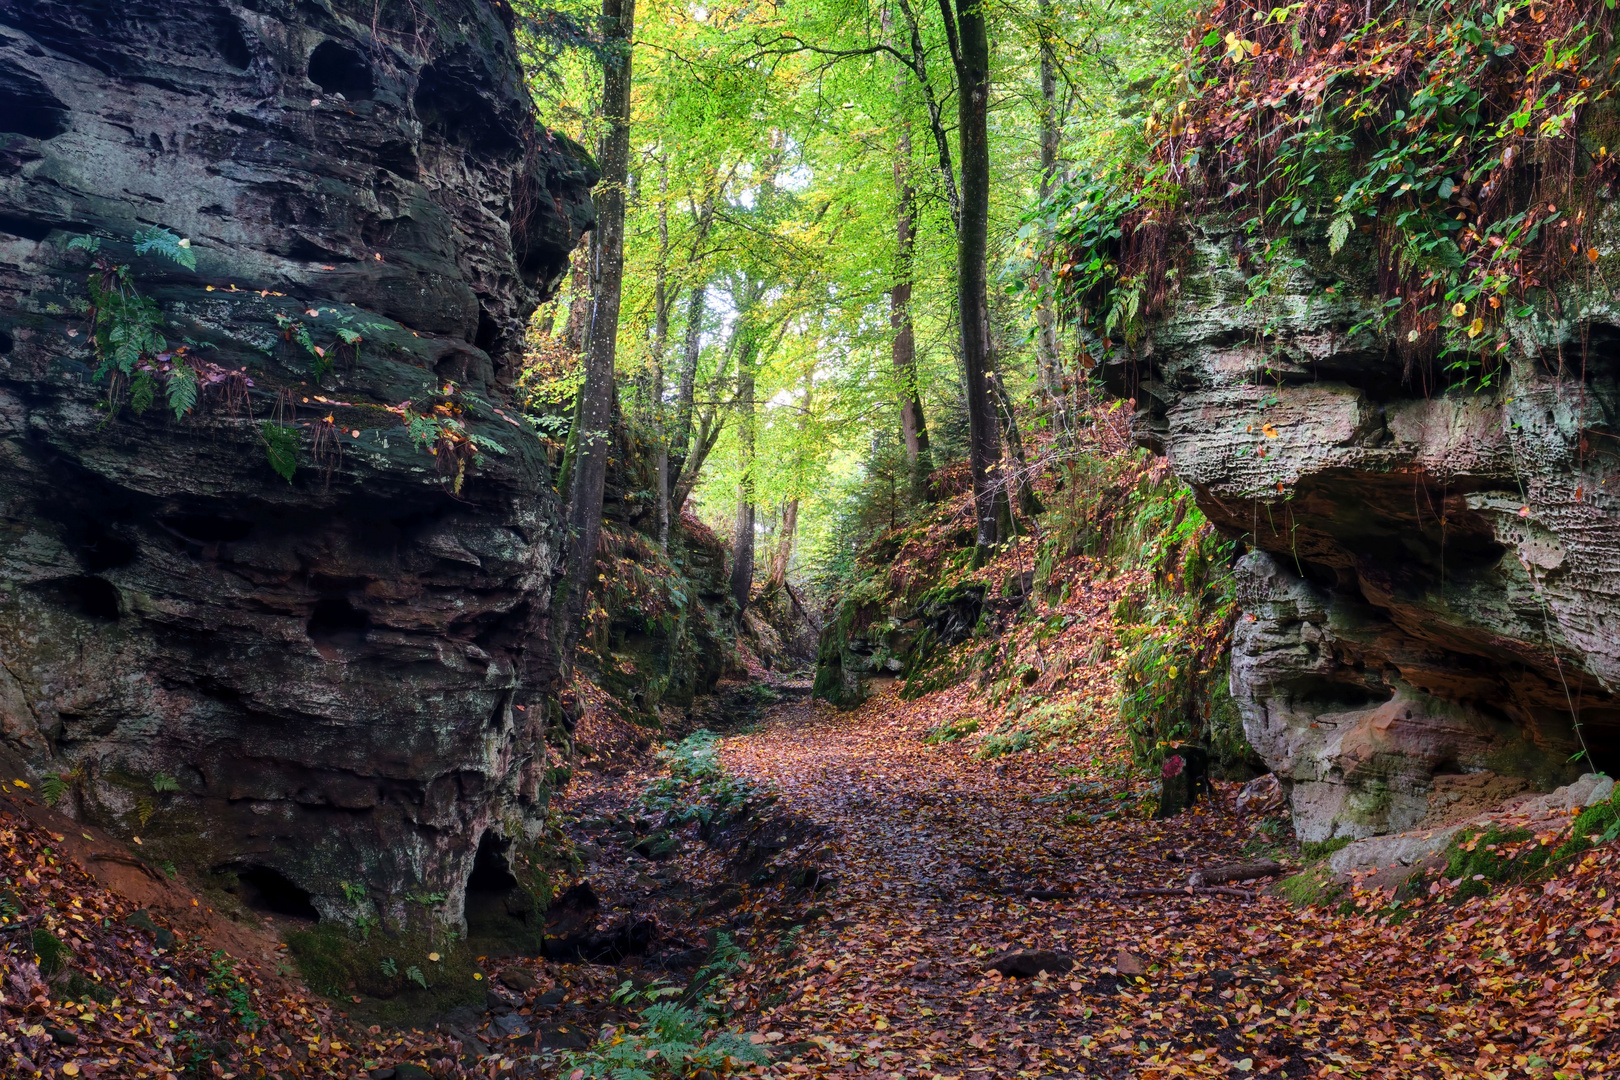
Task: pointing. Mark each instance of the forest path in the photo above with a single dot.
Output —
(933, 852)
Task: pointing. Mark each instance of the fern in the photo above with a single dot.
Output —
(162, 782)
(142, 391)
(1338, 233)
(414, 974)
(280, 448)
(155, 241)
(181, 389)
(52, 788)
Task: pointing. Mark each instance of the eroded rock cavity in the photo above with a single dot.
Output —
(1432, 598)
(344, 678)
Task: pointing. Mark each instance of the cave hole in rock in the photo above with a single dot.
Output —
(22, 227)
(494, 900)
(208, 528)
(450, 104)
(28, 108)
(1331, 696)
(336, 624)
(90, 596)
(338, 69)
(272, 893)
(6, 342)
(233, 47)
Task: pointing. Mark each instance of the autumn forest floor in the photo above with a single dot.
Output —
(932, 854)
(836, 887)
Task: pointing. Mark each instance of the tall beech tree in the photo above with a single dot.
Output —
(969, 41)
(596, 397)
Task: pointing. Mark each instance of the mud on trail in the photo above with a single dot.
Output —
(935, 866)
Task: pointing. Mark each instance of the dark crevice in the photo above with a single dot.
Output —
(233, 47)
(271, 892)
(28, 108)
(26, 228)
(338, 69)
(336, 625)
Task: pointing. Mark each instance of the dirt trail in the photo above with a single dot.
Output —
(934, 851)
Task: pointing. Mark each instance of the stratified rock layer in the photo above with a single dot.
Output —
(342, 679)
(1433, 594)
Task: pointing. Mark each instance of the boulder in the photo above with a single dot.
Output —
(343, 679)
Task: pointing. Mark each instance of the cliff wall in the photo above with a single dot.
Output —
(1431, 600)
(344, 676)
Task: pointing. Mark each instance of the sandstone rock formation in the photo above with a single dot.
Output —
(344, 678)
(1432, 596)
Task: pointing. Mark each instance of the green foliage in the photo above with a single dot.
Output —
(225, 984)
(1422, 127)
(666, 1041)
(1597, 824)
(697, 787)
(1313, 851)
(1479, 858)
(951, 731)
(52, 788)
(163, 783)
(280, 448)
(156, 241)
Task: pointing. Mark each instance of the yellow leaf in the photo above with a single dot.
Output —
(1269, 431)
(1476, 328)
(70, 1069)
(22, 785)
(433, 956)
(1459, 310)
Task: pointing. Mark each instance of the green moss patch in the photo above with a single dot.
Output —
(398, 972)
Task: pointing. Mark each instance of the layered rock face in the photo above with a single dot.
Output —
(342, 678)
(1431, 602)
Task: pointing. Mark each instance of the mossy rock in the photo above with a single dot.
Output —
(339, 964)
(1478, 859)
(1311, 888)
(1601, 820)
(1315, 851)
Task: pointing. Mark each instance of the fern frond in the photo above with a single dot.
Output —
(182, 389)
(156, 241)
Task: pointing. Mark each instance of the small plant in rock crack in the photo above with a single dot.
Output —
(665, 1042)
(225, 983)
(389, 966)
(414, 974)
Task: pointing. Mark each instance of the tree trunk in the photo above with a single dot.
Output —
(582, 294)
(695, 306)
(970, 49)
(1048, 361)
(742, 548)
(663, 300)
(936, 122)
(913, 425)
(596, 397)
(784, 544)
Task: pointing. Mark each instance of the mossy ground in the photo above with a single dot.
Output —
(337, 963)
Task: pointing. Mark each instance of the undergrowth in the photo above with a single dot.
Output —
(1461, 148)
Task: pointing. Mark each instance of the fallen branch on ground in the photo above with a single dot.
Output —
(1218, 875)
